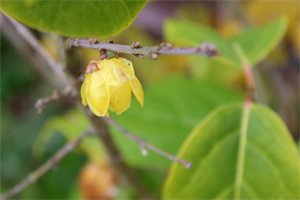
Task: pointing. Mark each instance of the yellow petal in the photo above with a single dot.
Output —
(107, 114)
(83, 93)
(120, 97)
(127, 64)
(112, 108)
(97, 93)
(115, 73)
(137, 90)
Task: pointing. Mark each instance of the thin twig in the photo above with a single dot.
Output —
(51, 163)
(144, 145)
(34, 43)
(42, 102)
(100, 129)
(27, 52)
(206, 49)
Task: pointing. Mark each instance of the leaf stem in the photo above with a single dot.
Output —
(247, 70)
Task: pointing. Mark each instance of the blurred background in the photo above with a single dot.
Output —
(23, 82)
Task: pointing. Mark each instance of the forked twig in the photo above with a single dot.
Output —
(57, 94)
(51, 163)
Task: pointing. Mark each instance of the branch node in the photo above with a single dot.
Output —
(94, 40)
(188, 165)
(135, 45)
(143, 150)
(209, 49)
(103, 56)
(102, 51)
(31, 179)
(139, 55)
(153, 56)
(163, 44)
(57, 95)
(53, 164)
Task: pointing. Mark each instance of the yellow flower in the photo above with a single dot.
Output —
(108, 84)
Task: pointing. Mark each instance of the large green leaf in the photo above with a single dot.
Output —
(237, 153)
(172, 108)
(75, 18)
(257, 43)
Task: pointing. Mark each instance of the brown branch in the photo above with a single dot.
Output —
(34, 43)
(42, 102)
(99, 126)
(51, 163)
(100, 129)
(144, 145)
(206, 49)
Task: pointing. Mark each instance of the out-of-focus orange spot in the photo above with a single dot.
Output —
(97, 182)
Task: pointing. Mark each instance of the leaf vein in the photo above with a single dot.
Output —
(273, 166)
(210, 152)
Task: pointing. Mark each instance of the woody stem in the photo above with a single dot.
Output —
(101, 130)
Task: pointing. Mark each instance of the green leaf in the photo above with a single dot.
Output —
(207, 69)
(237, 154)
(172, 108)
(189, 33)
(75, 18)
(257, 43)
(298, 145)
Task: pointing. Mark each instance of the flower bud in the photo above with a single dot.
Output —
(108, 84)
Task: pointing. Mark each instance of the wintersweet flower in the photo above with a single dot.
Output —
(108, 84)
